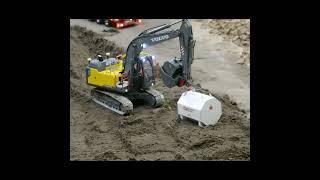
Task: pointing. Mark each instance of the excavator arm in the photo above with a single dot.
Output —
(174, 72)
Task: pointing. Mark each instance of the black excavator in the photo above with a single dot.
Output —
(120, 81)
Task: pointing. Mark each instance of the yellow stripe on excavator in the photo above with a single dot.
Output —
(108, 77)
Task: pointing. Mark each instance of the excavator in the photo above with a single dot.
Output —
(124, 79)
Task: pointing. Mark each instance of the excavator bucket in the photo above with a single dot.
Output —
(171, 73)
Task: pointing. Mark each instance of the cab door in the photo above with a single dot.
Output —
(147, 72)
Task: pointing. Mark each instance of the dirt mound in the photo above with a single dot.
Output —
(95, 43)
(235, 30)
(146, 134)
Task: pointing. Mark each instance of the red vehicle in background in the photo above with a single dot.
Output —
(120, 23)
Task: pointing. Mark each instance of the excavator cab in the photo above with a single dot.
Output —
(147, 71)
(144, 71)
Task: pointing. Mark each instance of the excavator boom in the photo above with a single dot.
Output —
(173, 72)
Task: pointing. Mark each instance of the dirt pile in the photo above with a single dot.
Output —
(235, 30)
(146, 134)
(96, 43)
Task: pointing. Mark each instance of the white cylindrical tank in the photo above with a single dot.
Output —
(203, 108)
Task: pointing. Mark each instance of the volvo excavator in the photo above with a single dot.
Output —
(128, 78)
